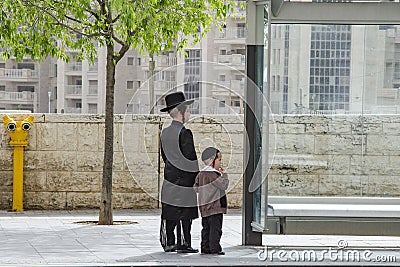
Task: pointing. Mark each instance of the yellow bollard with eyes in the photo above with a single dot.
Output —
(18, 131)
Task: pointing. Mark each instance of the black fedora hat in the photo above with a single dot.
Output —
(175, 99)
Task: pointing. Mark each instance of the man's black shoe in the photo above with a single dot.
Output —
(170, 248)
(218, 253)
(188, 250)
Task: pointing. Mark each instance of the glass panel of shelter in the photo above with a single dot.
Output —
(335, 99)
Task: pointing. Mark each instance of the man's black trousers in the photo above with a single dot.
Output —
(183, 228)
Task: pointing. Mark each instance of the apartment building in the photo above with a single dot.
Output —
(313, 69)
(17, 85)
(211, 71)
(227, 50)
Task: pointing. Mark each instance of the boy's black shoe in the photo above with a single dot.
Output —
(219, 253)
(188, 250)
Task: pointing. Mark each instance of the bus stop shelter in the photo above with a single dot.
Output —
(260, 16)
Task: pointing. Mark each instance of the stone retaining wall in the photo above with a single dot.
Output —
(337, 156)
(313, 155)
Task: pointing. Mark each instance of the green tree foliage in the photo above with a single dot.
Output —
(39, 28)
(42, 28)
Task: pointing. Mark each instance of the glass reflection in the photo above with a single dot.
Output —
(335, 69)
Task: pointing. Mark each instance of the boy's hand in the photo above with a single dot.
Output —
(221, 170)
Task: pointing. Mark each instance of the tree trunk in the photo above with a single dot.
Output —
(105, 216)
(151, 82)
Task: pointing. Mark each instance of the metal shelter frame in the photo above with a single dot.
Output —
(287, 12)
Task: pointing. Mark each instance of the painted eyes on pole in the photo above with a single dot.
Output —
(26, 126)
(11, 127)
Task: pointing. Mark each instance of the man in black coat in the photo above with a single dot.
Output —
(179, 200)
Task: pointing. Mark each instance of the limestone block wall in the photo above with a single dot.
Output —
(63, 163)
(336, 156)
(310, 155)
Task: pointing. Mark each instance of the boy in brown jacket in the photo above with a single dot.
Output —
(210, 184)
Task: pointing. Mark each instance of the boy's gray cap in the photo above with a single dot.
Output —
(209, 153)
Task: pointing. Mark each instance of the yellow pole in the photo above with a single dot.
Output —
(18, 180)
(18, 131)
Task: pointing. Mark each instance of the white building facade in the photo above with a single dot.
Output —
(314, 69)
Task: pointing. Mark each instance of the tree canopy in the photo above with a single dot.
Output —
(39, 28)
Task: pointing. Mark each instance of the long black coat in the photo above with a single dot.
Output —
(179, 200)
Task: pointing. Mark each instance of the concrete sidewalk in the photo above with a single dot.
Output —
(55, 238)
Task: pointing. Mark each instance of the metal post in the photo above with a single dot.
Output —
(49, 93)
(254, 71)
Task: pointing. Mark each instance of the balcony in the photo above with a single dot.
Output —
(234, 60)
(226, 88)
(164, 85)
(72, 110)
(92, 95)
(235, 35)
(238, 86)
(388, 94)
(74, 66)
(161, 61)
(93, 90)
(94, 67)
(22, 75)
(73, 91)
(23, 98)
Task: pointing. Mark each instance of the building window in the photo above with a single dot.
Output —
(169, 76)
(273, 83)
(27, 88)
(278, 56)
(93, 87)
(278, 82)
(94, 66)
(235, 102)
(30, 66)
(192, 76)
(92, 108)
(133, 61)
(129, 84)
(130, 60)
(133, 85)
(241, 28)
(53, 70)
(129, 108)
